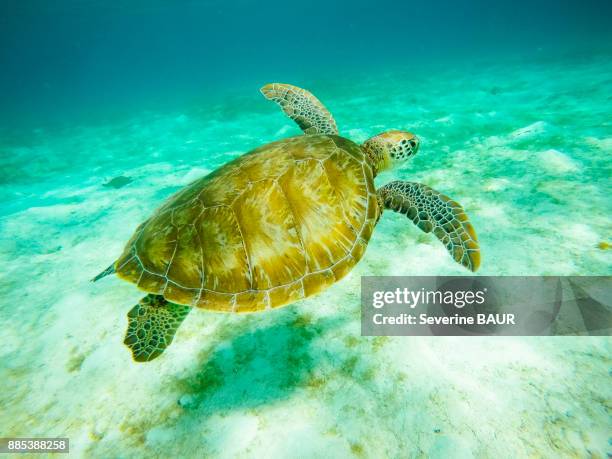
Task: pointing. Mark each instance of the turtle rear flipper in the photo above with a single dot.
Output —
(152, 324)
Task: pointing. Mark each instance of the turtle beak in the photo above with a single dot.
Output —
(415, 143)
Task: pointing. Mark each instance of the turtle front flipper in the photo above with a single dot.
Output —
(302, 107)
(430, 210)
(152, 324)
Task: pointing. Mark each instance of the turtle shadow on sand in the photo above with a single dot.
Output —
(256, 368)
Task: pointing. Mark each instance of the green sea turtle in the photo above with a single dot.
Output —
(276, 225)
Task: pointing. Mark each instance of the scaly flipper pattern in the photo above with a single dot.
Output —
(430, 210)
(302, 107)
(152, 324)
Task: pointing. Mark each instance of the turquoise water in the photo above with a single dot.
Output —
(524, 143)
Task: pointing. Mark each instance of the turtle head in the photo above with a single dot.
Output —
(390, 148)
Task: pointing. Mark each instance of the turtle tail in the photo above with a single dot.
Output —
(106, 272)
